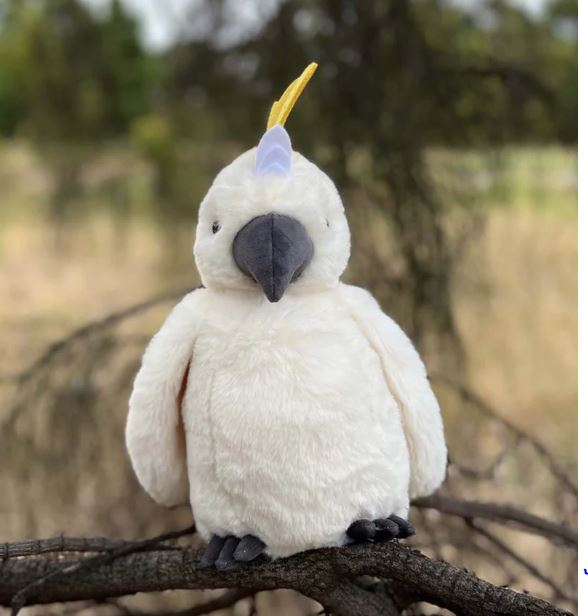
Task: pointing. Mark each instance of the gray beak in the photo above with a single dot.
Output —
(274, 250)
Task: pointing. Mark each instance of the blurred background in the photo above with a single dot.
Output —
(450, 128)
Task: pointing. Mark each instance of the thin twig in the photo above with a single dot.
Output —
(530, 567)
(220, 603)
(472, 398)
(90, 328)
(503, 514)
(483, 474)
(226, 600)
(56, 348)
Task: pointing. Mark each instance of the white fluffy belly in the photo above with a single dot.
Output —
(292, 435)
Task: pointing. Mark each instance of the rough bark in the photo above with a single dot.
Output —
(328, 576)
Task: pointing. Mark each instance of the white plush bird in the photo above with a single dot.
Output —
(282, 404)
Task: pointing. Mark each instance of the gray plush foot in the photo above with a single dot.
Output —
(382, 529)
(226, 553)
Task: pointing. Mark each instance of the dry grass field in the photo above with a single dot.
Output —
(516, 294)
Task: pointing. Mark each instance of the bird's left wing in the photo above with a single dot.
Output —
(155, 434)
(407, 381)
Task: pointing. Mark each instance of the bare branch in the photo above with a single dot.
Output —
(326, 575)
(58, 347)
(220, 603)
(86, 564)
(523, 562)
(38, 547)
(226, 600)
(92, 327)
(472, 398)
(503, 514)
(487, 473)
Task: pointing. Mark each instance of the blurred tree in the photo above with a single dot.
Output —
(152, 135)
(70, 80)
(75, 76)
(561, 67)
(131, 76)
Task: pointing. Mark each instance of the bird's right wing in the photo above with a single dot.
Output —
(155, 433)
(407, 381)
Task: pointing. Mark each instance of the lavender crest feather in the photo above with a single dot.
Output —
(274, 153)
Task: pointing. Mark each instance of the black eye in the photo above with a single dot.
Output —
(215, 226)
(328, 223)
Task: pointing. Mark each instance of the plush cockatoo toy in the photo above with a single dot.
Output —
(282, 404)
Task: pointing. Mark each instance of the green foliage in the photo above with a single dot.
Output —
(152, 134)
(66, 75)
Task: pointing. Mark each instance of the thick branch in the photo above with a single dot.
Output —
(81, 566)
(325, 575)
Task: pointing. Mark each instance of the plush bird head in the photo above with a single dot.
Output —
(272, 221)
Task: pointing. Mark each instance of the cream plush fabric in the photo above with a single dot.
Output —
(299, 417)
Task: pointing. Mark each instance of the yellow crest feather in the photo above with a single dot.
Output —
(281, 108)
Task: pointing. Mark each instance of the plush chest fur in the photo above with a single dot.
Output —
(293, 363)
(289, 394)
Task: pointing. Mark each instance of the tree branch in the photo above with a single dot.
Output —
(559, 593)
(92, 327)
(326, 575)
(495, 512)
(470, 397)
(78, 566)
(226, 600)
(38, 547)
(223, 602)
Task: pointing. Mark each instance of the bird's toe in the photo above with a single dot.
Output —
(226, 558)
(248, 549)
(381, 529)
(386, 529)
(361, 531)
(213, 549)
(226, 553)
(406, 529)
